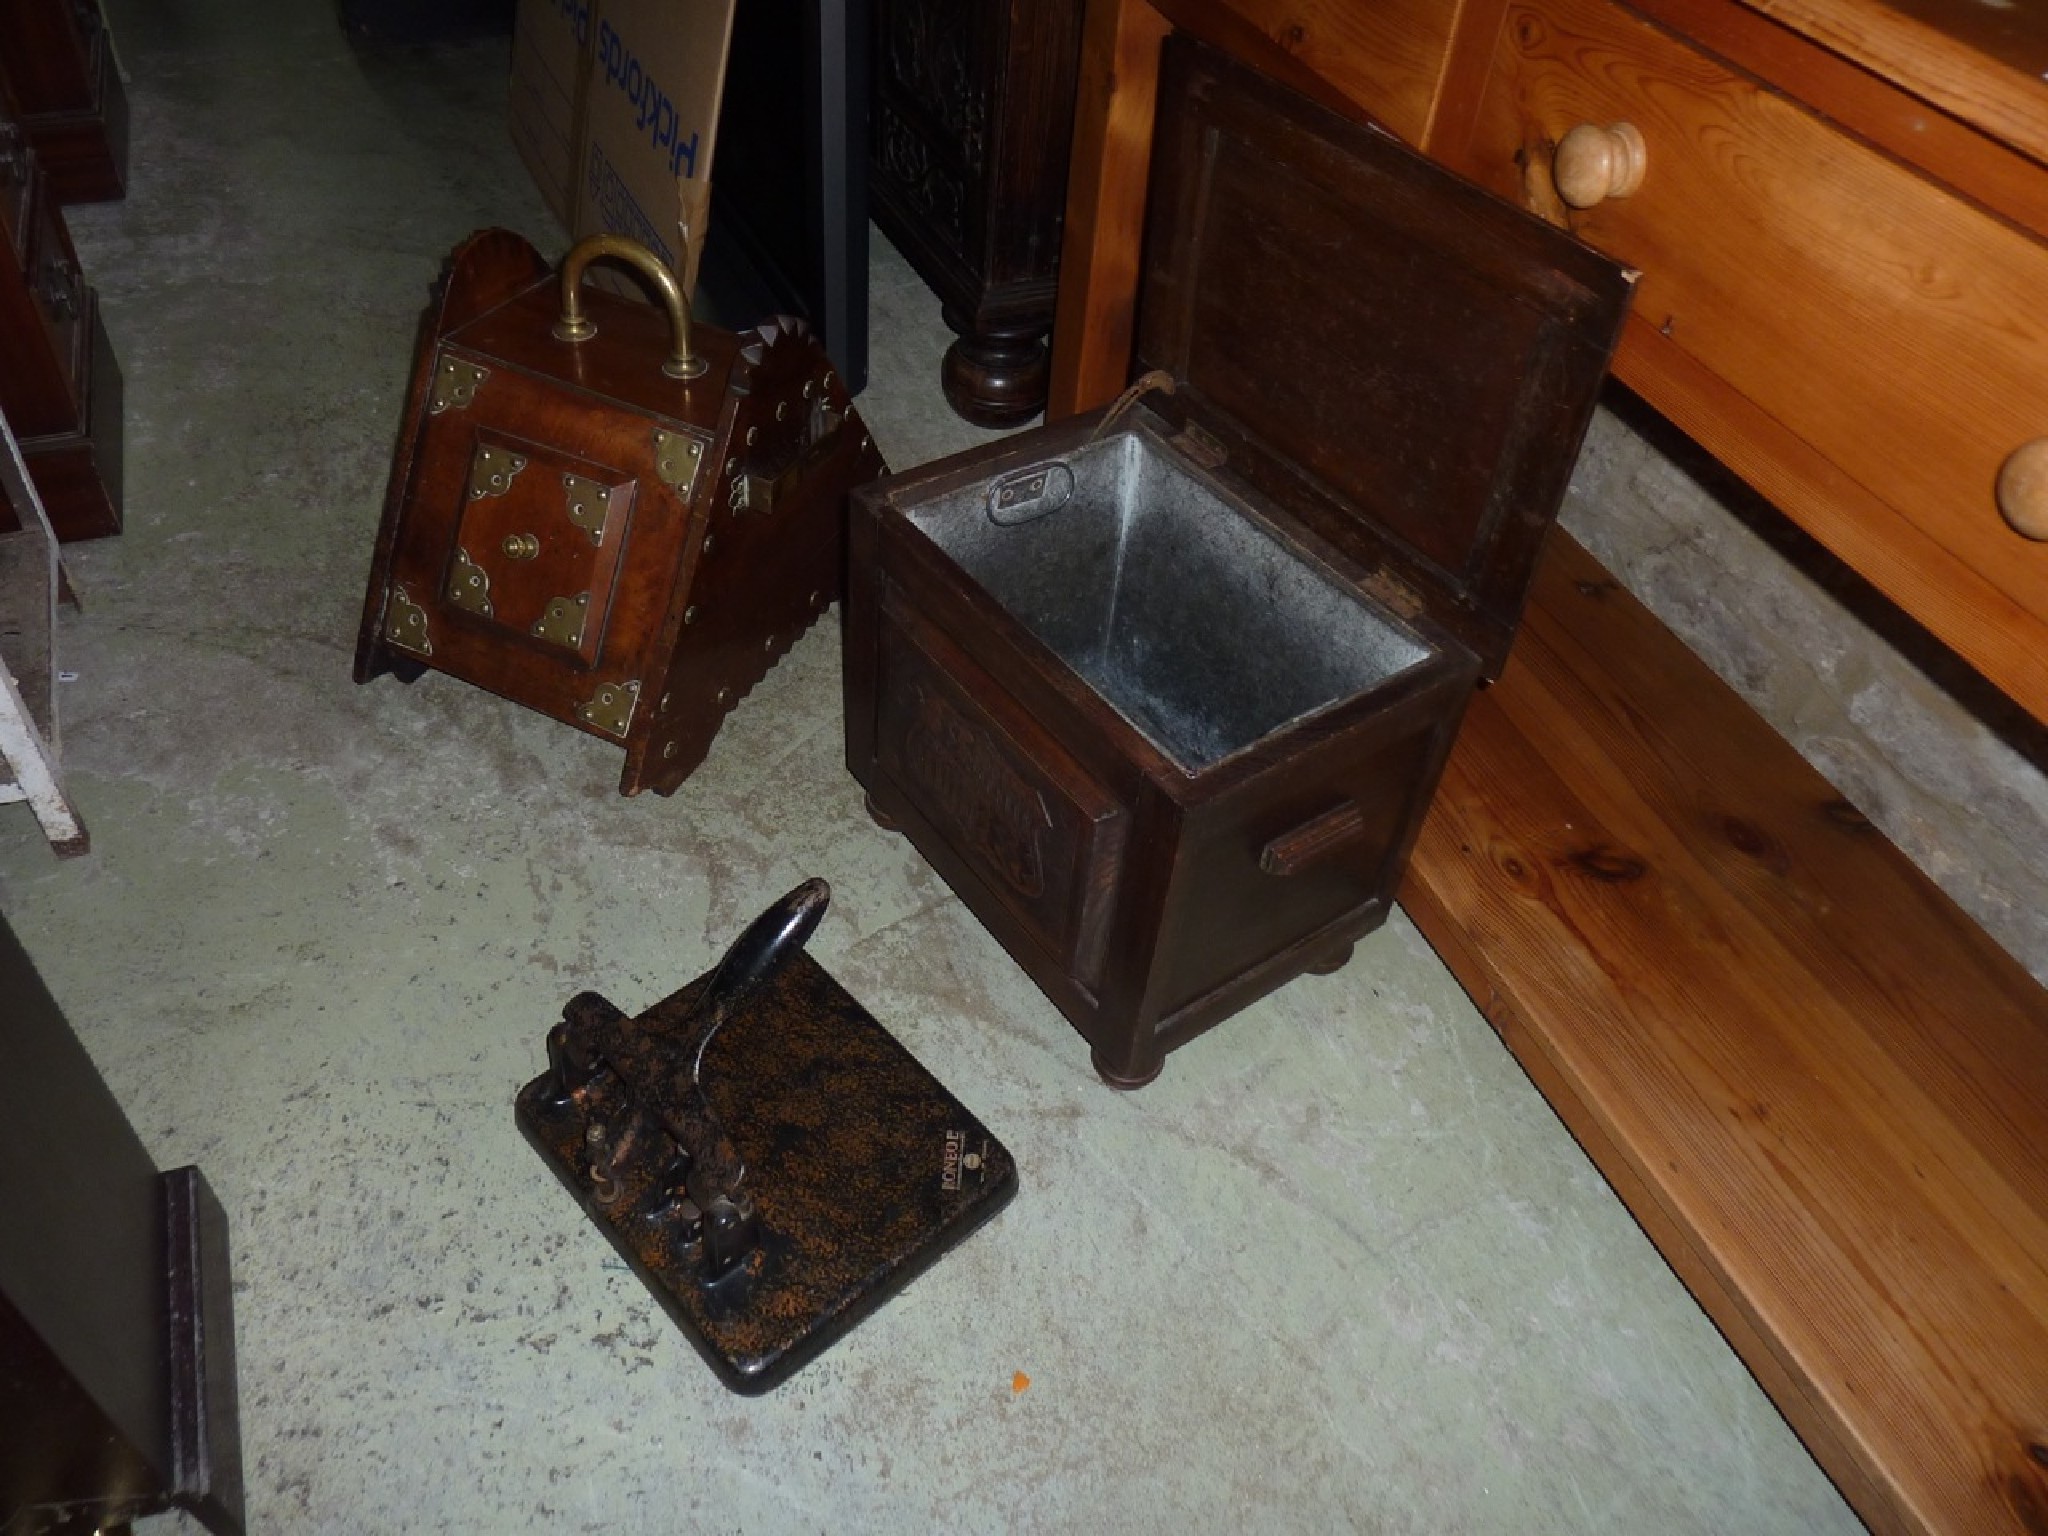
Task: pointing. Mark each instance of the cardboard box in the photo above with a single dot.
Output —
(548, 42)
(619, 137)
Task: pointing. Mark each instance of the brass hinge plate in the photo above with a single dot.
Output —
(611, 707)
(405, 623)
(677, 459)
(589, 505)
(1201, 445)
(562, 624)
(491, 471)
(469, 584)
(455, 385)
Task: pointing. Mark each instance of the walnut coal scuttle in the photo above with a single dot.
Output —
(602, 512)
(1163, 691)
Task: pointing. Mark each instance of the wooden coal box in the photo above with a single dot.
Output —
(604, 512)
(1163, 691)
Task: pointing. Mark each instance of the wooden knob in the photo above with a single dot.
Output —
(2023, 489)
(1594, 164)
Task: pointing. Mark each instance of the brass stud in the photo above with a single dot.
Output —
(724, 695)
(782, 410)
(710, 542)
(752, 434)
(768, 644)
(670, 748)
(690, 614)
(662, 707)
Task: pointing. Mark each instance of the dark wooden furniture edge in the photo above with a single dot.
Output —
(1777, 1123)
(118, 1393)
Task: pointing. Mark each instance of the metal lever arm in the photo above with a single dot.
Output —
(756, 957)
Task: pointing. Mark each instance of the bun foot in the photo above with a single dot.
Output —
(1117, 1080)
(995, 378)
(1331, 960)
(880, 817)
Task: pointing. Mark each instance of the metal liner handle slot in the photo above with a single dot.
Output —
(576, 326)
(1030, 493)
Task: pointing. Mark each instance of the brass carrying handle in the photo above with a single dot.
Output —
(576, 326)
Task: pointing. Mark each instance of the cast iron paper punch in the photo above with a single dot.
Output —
(763, 1153)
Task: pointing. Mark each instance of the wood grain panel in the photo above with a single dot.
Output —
(1984, 62)
(1822, 1089)
(1986, 627)
(1116, 97)
(1887, 324)
(1385, 59)
(1943, 146)
(1383, 62)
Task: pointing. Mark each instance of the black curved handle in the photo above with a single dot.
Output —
(756, 956)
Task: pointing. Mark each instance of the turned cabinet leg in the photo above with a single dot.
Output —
(997, 376)
(880, 817)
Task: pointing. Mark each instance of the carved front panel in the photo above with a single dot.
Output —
(931, 112)
(1044, 836)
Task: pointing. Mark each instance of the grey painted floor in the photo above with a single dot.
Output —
(1340, 1269)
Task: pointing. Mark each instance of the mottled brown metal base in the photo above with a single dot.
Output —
(849, 1168)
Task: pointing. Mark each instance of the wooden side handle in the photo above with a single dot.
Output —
(1292, 852)
(1596, 163)
(2023, 489)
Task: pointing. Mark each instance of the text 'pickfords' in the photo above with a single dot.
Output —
(657, 117)
(577, 13)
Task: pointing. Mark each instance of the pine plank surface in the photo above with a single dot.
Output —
(1890, 326)
(1982, 60)
(1821, 1089)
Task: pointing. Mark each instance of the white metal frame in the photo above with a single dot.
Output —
(28, 746)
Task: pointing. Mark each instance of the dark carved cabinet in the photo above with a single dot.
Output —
(59, 65)
(117, 1364)
(60, 388)
(972, 117)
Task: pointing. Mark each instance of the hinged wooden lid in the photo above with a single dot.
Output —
(1395, 357)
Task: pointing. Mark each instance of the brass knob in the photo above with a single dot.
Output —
(1594, 164)
(2023, 489)
(520, 546)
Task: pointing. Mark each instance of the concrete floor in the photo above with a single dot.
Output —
(1340, 1269)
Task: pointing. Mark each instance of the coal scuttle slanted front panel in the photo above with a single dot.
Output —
(767, 1157)
(603, 512)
